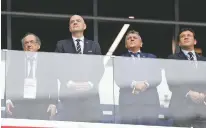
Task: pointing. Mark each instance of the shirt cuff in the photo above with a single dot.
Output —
(135, 82)
(187, 94)
(146, 83)
(8, 101)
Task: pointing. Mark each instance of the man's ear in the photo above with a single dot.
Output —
(195, 42)
(38, 47)
(141, 44)
(69, 28)
(85, 26)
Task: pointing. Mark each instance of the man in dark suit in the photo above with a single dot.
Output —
(78, 43)
(31, 89)
(79, 80)
(137, 79)
(187, 83)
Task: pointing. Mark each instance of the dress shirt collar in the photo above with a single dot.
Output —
(81, 38)
(186, 52)
(32, 55)
(133, 52)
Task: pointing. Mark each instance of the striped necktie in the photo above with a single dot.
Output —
(191, 56)
(78, 47)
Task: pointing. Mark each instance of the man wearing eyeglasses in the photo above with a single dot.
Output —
(31, 88)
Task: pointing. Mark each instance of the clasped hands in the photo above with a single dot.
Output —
(196, 97)
(139, 86)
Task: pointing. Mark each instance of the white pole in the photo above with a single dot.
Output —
(116, 42)
(118, 39)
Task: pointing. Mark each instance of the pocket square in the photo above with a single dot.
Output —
(90, 51)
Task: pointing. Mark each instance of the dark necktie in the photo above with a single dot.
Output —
(78, 47)
(191, 56)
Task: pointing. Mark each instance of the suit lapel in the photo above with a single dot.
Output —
(143, 55)
(86, 43)
(127, 54)
(182, 55)
(198, 56)
(70, 48)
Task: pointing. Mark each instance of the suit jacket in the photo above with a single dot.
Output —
(182, 56)
(183, 76)
(67, 46)
(79, 68)
(47, 90)
(127, 69)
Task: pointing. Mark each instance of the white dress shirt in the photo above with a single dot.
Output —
(138, 56)
(134, 83)
(188, 56)
(81, 43)
(34, 66)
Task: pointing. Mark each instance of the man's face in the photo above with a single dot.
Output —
(133, 41)
(76, 24)
(187, 40)
(30, 44)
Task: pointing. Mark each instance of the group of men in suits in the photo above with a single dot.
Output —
(31, 87)
(138, 99)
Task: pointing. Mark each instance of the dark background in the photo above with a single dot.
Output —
(157, 38)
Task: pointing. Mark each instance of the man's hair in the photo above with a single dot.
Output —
(37, 38)
(131, 32)
(186, 29)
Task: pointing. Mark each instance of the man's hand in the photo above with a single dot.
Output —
(52, 109)
(141, 86)
(196, 97)
(9, 106)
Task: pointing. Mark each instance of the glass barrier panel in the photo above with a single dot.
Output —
(54, 86)
(186, 80)
(2, 81)
(137, 80)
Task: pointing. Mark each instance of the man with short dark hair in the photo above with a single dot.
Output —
(186, 80)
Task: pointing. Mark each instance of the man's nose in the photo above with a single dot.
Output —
(186, 38)
(75, 22)
(29, 44)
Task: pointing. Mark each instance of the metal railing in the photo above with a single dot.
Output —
(101, 18)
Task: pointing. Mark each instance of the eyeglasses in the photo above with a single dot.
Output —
(31, 41)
